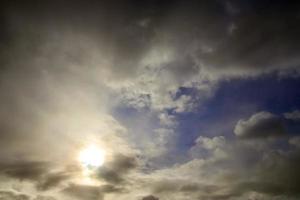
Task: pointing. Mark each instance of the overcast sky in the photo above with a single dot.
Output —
(189, 100)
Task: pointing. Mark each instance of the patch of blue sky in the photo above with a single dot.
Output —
(239, 99)
(140, 123)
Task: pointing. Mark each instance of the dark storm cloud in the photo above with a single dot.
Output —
(116, 170)
(260, 125)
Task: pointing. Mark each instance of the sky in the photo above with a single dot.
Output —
(150, 100)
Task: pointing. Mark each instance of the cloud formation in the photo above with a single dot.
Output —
(295, 115)
(259, 125)
(114, 171)
(77, 73)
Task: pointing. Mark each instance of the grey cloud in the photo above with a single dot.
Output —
(262, 187)
(183, 187)
(112, 189)
(260, 125)
(281, 169)
(208, 189)
(13, 195)
(125, 48)
(150, 197)
(9, 195)
(267, 47)
(38, 172)
(165, 186)
(116, 171)
(295, 141)
(43, 197)
(84, 192)
(89, 192)
(190, 188)
(25, 170)
(249, 169)
(52, 180)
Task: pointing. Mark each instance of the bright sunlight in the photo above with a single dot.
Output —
(92, 156)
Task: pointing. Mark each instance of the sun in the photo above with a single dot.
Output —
(92, 156)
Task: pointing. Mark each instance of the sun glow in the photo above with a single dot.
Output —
(92, 157)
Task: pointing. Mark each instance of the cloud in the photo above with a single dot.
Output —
(253, 168)
(260, 125)
(295, 141)
(52, 180)
(90, 192)
(13, 195)
(42, 197)
(167, 120)
(251, 51)
(85, 192)
(295, 115)
(9, 195)
(112, 189)
(150, 197)
(25, 170)
(277, 168)
(115, 171)
(64, 75)
(205, 146)
(42, 174)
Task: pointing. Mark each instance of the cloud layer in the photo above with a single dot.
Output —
(126, 76)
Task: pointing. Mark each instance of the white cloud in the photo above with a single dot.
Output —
(295, 115)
